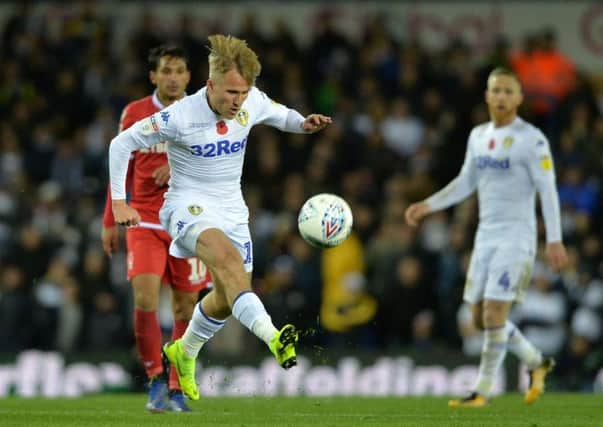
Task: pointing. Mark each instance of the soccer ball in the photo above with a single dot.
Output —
(325, 220)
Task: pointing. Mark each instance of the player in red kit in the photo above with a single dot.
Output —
(149, 264)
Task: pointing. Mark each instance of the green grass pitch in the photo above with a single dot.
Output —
(558, 410)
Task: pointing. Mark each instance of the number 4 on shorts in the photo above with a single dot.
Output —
(504, 281)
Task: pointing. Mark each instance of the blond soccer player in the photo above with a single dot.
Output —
(204, 211)
(507, 162)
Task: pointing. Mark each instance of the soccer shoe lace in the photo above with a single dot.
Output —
(537, 377)
(185, 367)
(473, 400)
(158, 391)
(176, 402)
(282, 345)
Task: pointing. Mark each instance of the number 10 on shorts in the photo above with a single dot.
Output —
(198, 270)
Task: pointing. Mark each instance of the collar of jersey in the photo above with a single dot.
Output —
(494, 128)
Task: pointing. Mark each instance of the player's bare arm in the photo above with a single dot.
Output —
(109, 239)
(316, 122)
(162, 175)
(124, 214)
(415, 213)
(556, 255)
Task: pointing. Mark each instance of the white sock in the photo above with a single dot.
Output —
(250, 311)
(493, 354)
(200, 330)
(521, 347)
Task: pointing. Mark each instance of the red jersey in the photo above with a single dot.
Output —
(145, 196)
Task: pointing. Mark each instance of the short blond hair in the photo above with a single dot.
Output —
(227, 53)
(502, 71)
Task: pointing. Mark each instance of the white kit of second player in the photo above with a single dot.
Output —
(507, 165)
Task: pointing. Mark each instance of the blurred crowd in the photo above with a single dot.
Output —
(402, 114)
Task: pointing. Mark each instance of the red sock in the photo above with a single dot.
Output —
(148, 341)
(177, 331)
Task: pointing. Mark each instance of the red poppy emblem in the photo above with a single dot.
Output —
(221, 127)
(491, 144)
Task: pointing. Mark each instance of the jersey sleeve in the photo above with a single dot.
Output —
(542, 171)
(270, 112)
(108, 219)
(460, 187)
(159, 127)
(125, 121)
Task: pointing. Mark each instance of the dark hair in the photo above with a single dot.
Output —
(158, 52)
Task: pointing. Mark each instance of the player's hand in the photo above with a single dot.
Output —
(415, 212)
(124, 214)
(162, 175)
(316, 122)
(556, 255)
(109, 238)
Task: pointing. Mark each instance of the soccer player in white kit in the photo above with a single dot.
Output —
(204, 210)
(507, 161)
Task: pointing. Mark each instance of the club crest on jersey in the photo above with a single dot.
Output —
(508, 142)
(242, 117)
(195, 209)
(491, 144)
(221, 127)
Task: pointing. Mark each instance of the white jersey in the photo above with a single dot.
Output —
(205, 150)
(506, 165)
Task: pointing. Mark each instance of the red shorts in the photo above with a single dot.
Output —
(148, 254)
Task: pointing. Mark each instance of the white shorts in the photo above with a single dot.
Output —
(186, 220)
(501, 274)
